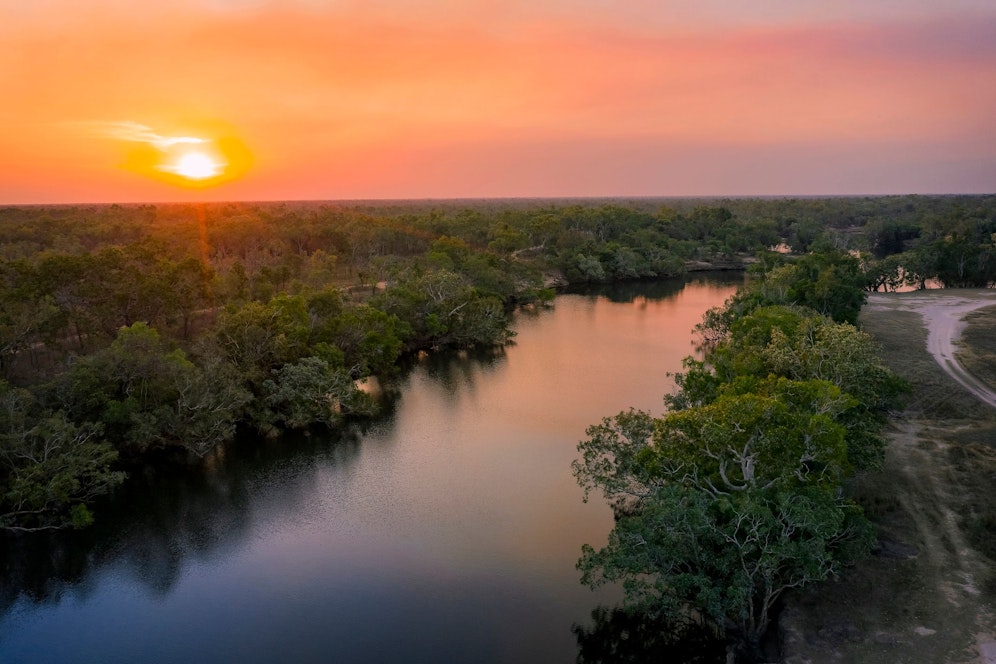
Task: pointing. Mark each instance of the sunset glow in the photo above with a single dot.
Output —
(315, 100)
(194, 165)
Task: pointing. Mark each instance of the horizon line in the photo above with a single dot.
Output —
(457, 199)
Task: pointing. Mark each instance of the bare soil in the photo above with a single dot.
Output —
(928, 593)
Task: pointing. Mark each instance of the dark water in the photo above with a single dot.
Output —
(448, 532)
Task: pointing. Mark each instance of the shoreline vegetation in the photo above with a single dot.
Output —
(144, 335)
(739, 493)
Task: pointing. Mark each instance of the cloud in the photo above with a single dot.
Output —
(134, 132)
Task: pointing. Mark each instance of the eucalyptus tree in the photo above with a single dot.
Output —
(722, 508)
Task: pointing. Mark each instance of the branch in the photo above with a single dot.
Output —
(457, 308)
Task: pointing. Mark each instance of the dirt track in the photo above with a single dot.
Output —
(943, 313)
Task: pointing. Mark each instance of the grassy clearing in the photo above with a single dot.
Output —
(903, 341)
(928, 592)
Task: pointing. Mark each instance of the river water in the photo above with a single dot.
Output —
(446, 532)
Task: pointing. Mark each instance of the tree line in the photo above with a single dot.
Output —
(955, 248)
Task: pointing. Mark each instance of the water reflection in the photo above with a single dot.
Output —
(620, 636)
(164, 516)
(462, 369)
(638, 292)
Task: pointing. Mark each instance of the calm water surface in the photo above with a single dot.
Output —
(448, 532)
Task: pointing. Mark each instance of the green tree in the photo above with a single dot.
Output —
(626, 636)
(203, 408)
(800, 345)
(28, 316)
(585, 268)
(736, 495)
(147, 395)
(370, 339)
(258, 337)
(720, 508)
(311, 391)
(189, 291)
(802, 234)
(442, 308)
(829, 282)
(50, 468)
(885, 274)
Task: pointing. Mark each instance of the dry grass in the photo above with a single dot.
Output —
(978, 345)
(927, 594)
(903, 342)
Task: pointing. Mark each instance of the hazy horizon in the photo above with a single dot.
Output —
(480, 199)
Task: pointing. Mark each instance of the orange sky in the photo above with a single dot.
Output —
(311, 99)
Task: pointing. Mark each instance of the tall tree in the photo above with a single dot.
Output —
(721, 508)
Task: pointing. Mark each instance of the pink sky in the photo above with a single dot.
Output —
(401, 99)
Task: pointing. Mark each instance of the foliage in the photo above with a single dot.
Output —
(147, 396)
(50, 468)
(730, 559)
(369, 339)
(622, 635)
(800, 345)
(722, 526)
(887, 274)
(312, 391)
(442, 308)
(954, 246)
(724, 507)
(831, 283)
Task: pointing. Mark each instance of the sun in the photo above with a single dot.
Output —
(190, 160)
(196, 165)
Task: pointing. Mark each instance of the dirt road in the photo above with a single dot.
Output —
(943, 313)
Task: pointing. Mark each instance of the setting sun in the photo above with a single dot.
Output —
(196, 166)
(184, 159)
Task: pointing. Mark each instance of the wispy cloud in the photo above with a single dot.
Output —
(135, 132)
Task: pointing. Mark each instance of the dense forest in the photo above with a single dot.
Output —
(154, 332)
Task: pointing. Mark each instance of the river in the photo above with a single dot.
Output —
(445, 532)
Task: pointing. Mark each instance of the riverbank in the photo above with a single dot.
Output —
(928, 592)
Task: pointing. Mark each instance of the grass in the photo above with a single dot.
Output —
(961, 428)
(977, 351)
(903, 341)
